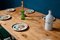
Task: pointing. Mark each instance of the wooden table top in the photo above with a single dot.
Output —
(36, 26)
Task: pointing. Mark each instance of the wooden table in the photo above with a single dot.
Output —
(36, 26)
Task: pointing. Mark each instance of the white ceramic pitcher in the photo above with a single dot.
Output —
(49, 21)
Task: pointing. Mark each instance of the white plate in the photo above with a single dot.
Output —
(5, 17)
(29, 11)
(11, 9)
(20, 26)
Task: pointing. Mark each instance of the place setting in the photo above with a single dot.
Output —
(20, 27)
(29, 11)
(5, 17)
(11, 10)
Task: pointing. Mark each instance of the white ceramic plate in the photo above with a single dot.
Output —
(5, 17)
(29, 11)
(20, 26)
(11, 9)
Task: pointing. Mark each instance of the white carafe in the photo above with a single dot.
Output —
(49, 21)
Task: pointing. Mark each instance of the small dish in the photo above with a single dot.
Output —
(20, 26)
(11, 9)
(29, 11)
(5, 17)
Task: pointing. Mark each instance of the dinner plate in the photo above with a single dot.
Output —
(11, 9)
(19, 26)
(5, 17)
(29, 11)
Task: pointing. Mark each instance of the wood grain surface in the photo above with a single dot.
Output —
(36, 26)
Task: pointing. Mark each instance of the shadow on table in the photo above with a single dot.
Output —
(56, 29)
